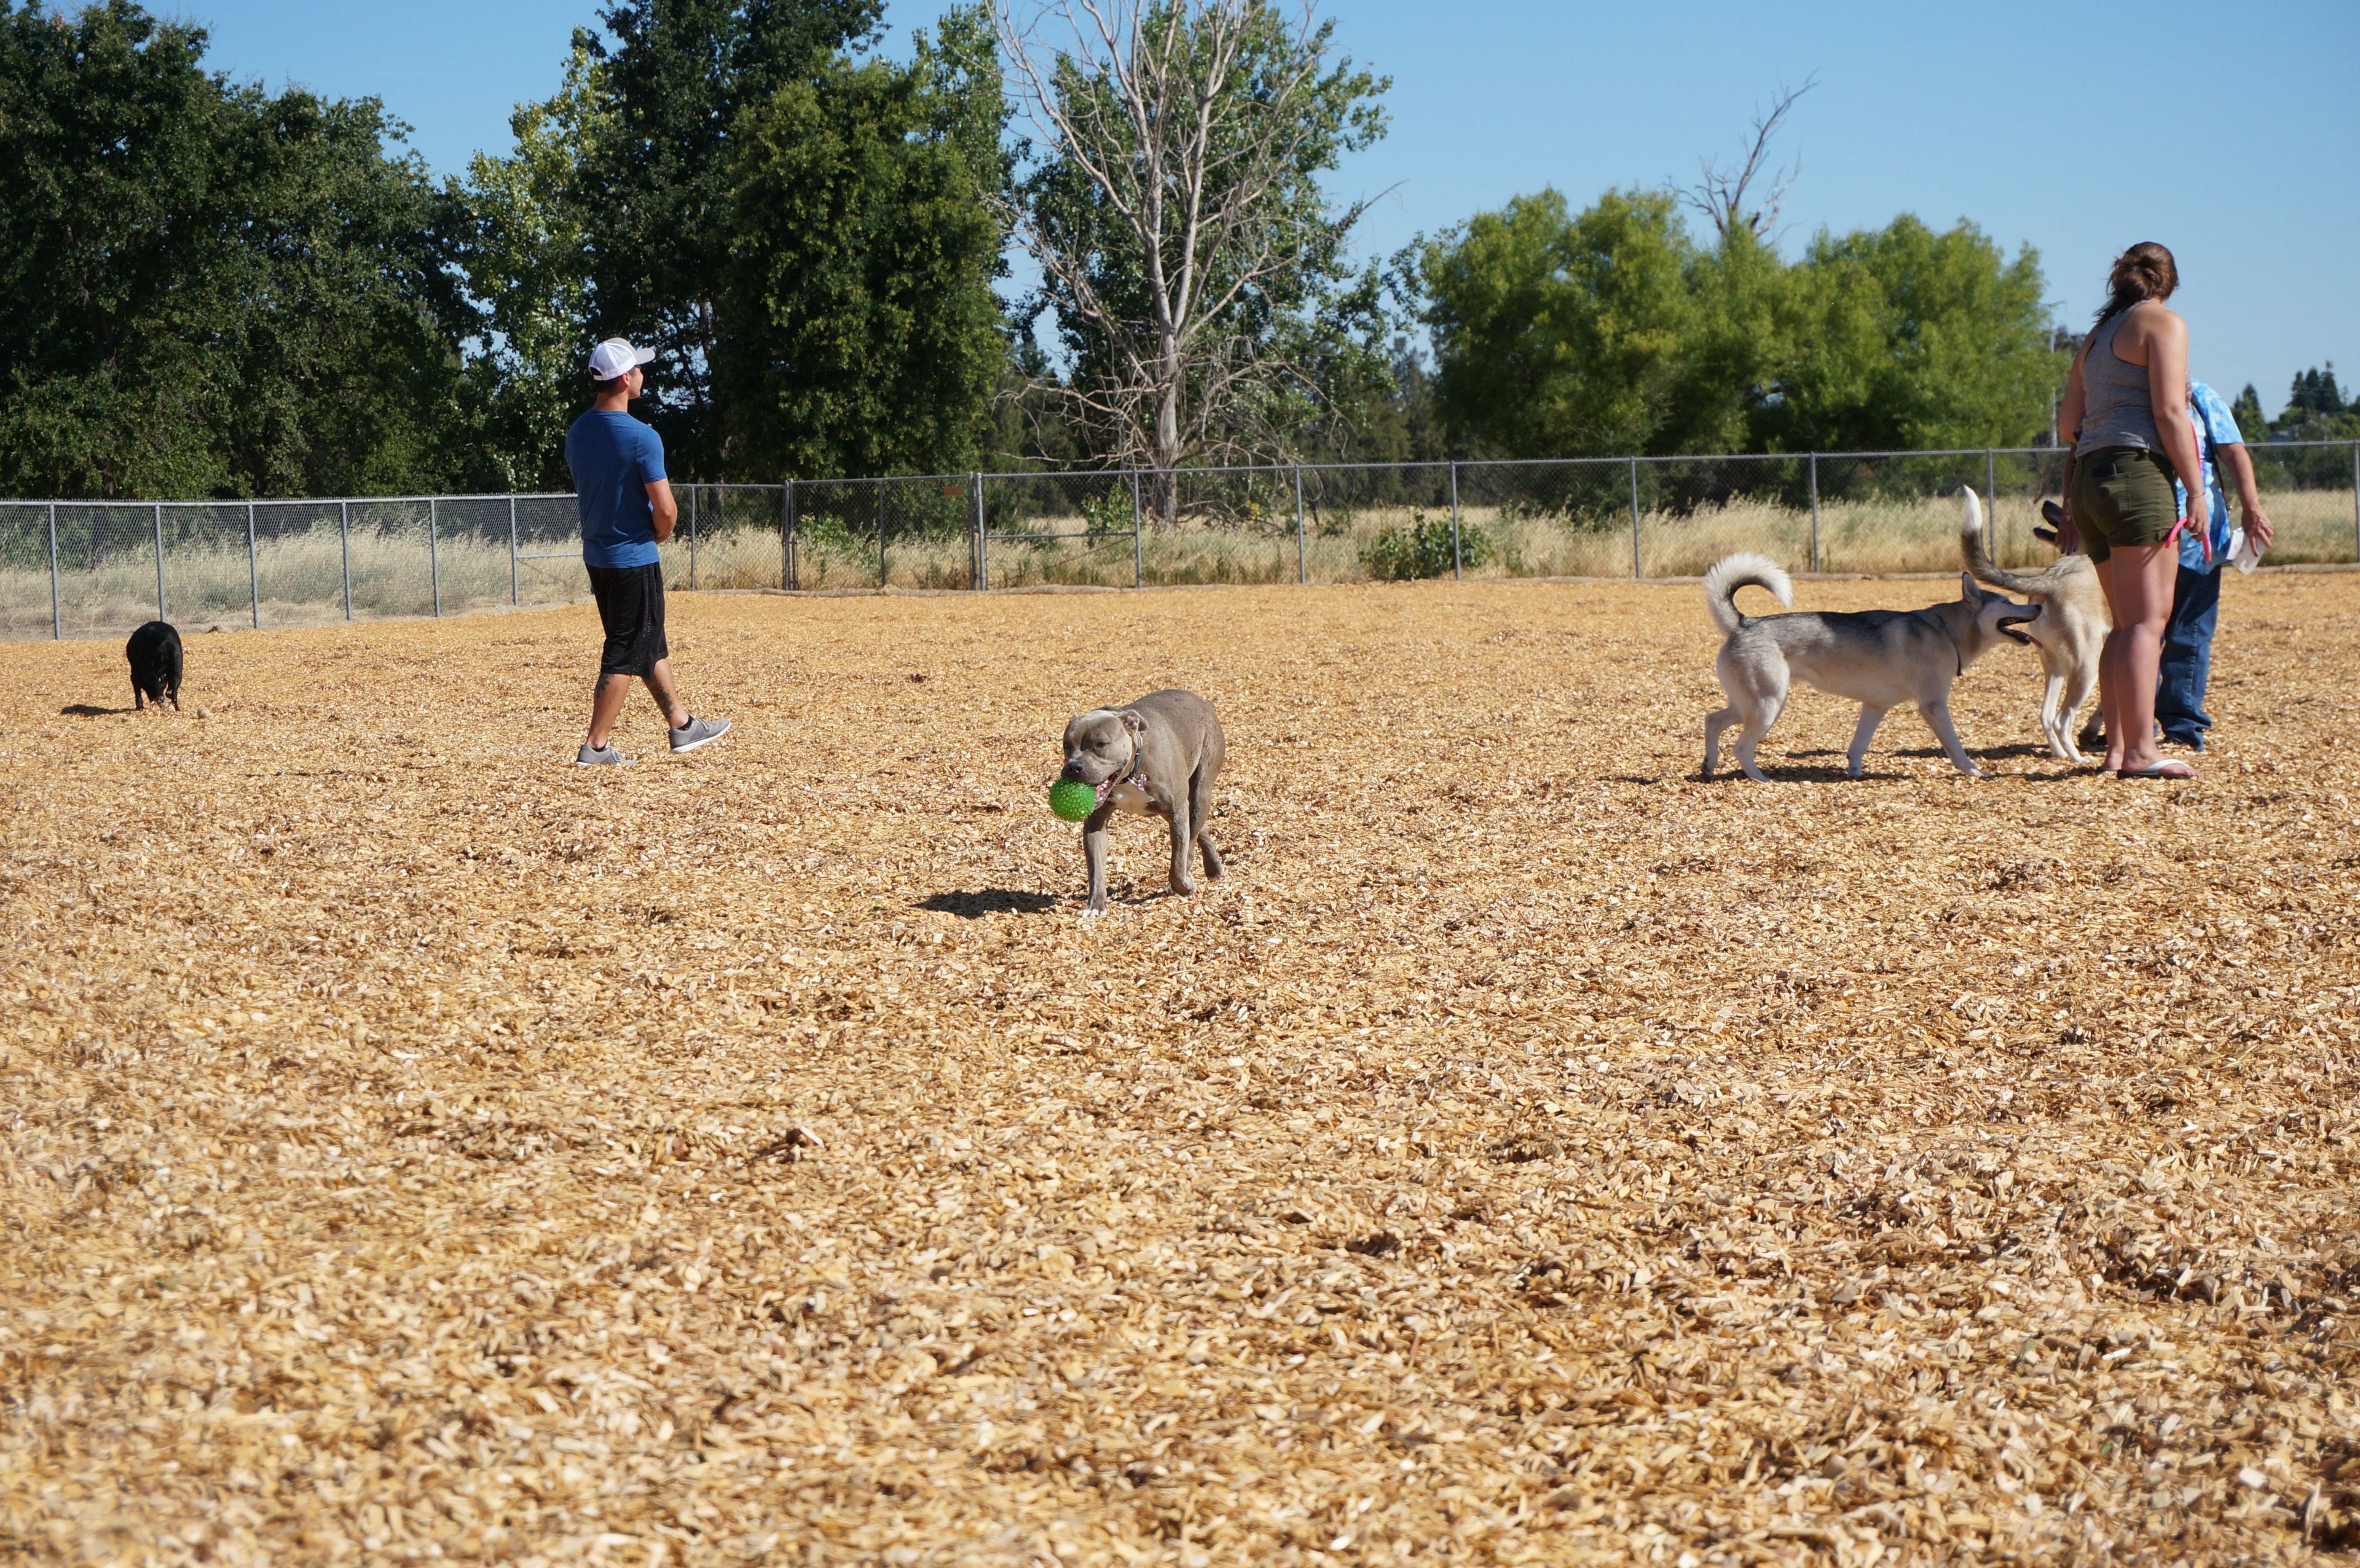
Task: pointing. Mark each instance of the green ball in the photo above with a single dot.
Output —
(1072, 800)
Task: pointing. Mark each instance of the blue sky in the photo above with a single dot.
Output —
(2230, 133)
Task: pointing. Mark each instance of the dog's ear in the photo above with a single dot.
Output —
(2048, 534)
(1134, 721)
(1969, 591)
(2054, 513)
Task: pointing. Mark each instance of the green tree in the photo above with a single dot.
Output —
(1557, 334)
(2315, 392)
(675, 77)
(212, 290)
(2315, 411)
(341, 312)
(1377, 405)
(528, 261)
(108, 134)
(863, 332)
(1740, 344)
(1906, 338)
(2247, 411)
(1611, 332)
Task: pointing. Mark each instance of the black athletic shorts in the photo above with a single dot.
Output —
(631, 608)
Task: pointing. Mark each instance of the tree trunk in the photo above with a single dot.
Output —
(1166, 449)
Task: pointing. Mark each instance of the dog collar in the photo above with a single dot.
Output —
(1137, 775)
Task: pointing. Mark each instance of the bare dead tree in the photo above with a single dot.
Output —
(1726, 193)
(1173, 142)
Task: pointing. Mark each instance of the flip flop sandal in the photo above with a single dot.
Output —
(2169, 768)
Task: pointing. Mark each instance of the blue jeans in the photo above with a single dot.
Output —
(2187, 658)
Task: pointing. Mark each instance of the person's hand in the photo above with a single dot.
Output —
(2069, 538)
(2257, 529)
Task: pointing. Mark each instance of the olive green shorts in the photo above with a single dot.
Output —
(2122, 496)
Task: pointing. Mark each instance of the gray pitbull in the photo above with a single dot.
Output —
(1159, 755)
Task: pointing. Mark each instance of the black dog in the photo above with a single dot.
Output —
(154, 651)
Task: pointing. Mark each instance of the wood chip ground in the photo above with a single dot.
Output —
(415, 1148)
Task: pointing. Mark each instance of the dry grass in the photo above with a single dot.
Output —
(415, 1147)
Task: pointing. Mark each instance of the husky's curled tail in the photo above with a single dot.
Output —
(2071, 630)
(2066, 572)
(1745, 570)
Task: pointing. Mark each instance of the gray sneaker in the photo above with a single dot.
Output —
(593, 756)
(698, 732)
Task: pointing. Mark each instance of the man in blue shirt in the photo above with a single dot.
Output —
(627, 511)
(2196, 599)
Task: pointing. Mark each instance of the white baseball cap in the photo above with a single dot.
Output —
(615, 355)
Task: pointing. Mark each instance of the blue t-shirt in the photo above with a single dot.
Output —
(2215, 427)
(615, 457)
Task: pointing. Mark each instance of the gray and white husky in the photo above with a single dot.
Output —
(2073, 630)
(1879, 658)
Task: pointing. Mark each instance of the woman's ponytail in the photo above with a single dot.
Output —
(2145, 271)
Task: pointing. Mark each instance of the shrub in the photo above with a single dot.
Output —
(1423, 549)
(1108, 512)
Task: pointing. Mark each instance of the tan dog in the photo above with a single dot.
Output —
(2069, 634)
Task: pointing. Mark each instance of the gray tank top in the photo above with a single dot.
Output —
(2117, 407)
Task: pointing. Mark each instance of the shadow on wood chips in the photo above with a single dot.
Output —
(416, 1146)
(989, 901)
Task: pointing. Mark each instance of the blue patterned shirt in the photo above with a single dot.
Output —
(2215, 428)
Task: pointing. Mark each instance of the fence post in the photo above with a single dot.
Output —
(2355, 500)
(1302, 571)
(881, 579)
(982, 539)
(1637, 573)
(1138, 554)
(57, 616)
(786, 536)
(1454, 523)
(433, 557)
(1815, 511)
(253, 571)
(344, 531)
(516, 596)
(159, 563)
(691, 539)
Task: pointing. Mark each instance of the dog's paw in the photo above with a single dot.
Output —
(1094, 912)
(1184, 885)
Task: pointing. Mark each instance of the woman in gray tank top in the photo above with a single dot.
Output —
(2125, 414)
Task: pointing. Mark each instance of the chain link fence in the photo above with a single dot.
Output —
(84, 567)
